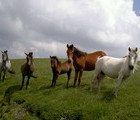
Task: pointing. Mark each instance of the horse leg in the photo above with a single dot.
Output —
(80, 76)
(119, 84)
(94, 81)
(100, 78)
(0, 74)
(4, 73)
(68, 74)
(27, 83)
(53, 80)
(56, 76)
(75, 78)
(22, 84)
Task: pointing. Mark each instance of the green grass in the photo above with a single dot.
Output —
(40, 102)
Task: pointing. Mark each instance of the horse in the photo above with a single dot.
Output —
(59, 68)
(82, 61)
(27, 69)
(5, 65)
(119, 68)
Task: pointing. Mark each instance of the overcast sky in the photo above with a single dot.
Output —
(45, 27)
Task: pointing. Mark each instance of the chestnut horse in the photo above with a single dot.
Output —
(82, 61)
(59, 68)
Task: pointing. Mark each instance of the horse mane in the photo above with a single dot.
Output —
(79, 53)
(57, 60)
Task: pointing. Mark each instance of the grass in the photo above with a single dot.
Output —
(40, 102)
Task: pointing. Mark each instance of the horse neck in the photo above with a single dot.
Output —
(4, 61)
(58, 63)
(29, 62)
(127, 60)
(74, 57)
(78, 53)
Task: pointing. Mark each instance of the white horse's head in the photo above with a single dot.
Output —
(133, 55)
(4, 55)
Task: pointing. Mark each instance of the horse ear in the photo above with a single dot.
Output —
(31, 53)
(1, 51)
(50, 56)
(71, 46)
(129, 49)
(136, 49)
(67, 46)
(25, 53)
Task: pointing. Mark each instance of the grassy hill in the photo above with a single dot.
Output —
(40, 102)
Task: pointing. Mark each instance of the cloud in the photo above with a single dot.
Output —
(46, 26)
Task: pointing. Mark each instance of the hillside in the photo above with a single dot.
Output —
(40, 102)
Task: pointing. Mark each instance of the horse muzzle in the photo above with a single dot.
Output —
(131, 67)
(70, 60)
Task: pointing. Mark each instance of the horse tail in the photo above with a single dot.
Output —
(99, 57)
(33, 76)
(11, 71)
(103, 54)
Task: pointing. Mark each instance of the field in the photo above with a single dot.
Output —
(40, 102)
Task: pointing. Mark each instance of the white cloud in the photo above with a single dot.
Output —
(46, 26)
(50, 49)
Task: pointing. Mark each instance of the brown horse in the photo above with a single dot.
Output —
(59, 68)
(82, 61)
(27, 69)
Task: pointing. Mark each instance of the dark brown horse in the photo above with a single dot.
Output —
(59, 68)
(27, 69)
(82, 61)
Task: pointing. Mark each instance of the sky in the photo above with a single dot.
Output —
(45, 27)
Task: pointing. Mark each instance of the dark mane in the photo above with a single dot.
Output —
(79, 53)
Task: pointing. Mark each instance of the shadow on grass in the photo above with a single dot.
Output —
(49, 87)
(108, 96)
(9, 92)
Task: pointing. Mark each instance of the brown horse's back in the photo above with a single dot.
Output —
(65, 67)
(88, 61)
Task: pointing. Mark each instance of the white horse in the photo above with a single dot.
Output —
(119, 68)
(5, 65)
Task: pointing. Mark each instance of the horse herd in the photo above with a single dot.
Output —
(103, 65)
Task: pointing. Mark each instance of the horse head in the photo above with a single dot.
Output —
(54, 61)
(4, 55)
(29, 57)
(70, 52)
(132, 57)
